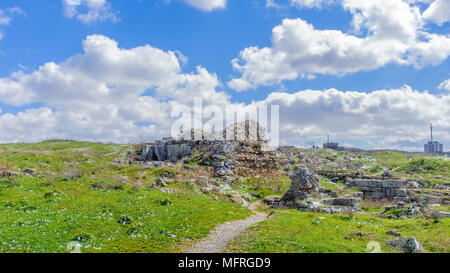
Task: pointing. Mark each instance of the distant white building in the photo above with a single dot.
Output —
(433, 146)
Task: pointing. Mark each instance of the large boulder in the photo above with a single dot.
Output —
(407, 245)
(304, 184)
(443, 214)
(148, 152)
(173, 152)
(161, 152)
(185, 150)
(387, 174)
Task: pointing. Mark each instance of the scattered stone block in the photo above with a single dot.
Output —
(394, 233)
(407, 245)
(304, 183)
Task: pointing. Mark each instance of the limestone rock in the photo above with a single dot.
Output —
(270, 200)
(394, 233)
(160, 182)
(304, 183)
(168, 191)
(443, 214)
(407, 245)
(387, 174)
(236, 199)
(187, 168)
(173, 152)
(240, 156)
(327, 192)
(402, 193)
(7, 173)
(29, 172)
(206, 190)
(345, 202)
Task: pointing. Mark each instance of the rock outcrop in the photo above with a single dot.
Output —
(380, 189)
(228, 158)
(304, 184)
(407, 245)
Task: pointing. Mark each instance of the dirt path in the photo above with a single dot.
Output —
(219, 238)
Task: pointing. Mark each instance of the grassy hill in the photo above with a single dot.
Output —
(78, 192)
(78, 195)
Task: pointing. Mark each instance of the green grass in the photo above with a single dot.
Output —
(78, 195)
(37, 216)
(264, 186)
(410, 165)
(434, 166)
(327, 184)
(300, 232)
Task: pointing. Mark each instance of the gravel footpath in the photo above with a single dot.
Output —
(219, 238)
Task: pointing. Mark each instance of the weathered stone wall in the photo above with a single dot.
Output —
(174, 150)
(379, 189)
(169, 150)
(228, 158)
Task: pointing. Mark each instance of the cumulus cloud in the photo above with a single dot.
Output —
(445, 85)
(108, 93)
(300, 3)
(105, 92)
(395, 116)
(311, 3)
(207, 5)
(90, 11)
(438, 12)
(383, 32)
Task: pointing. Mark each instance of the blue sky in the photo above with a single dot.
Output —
(41, 32)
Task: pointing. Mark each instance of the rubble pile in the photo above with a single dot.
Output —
(303, 195)
(246, 154)
(378, 189)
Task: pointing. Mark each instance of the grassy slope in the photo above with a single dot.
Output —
(299, 232)
(79, 195)
(412, 165)
(405, 165)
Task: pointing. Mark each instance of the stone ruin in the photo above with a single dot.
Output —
(377, 189)
(384, 187)
(303, 195)
(304, 184)
(239, 150)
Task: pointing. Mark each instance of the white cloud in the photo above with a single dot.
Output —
(109, 93)
(438, 12)
(100, 94)
(6, 16)
(207, 5)
(90, 11)
(445, 85)
(397, 117)
(432, 51)
(393, 34)
(300, 3)
(311, 3)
